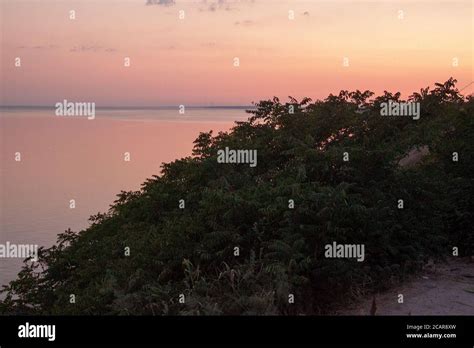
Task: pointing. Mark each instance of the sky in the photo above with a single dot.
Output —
(301, 48)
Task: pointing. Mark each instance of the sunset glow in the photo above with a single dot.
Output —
(395, 45)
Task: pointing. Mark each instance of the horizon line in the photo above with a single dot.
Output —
(147, 107)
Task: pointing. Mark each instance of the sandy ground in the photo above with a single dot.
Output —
(441, 289)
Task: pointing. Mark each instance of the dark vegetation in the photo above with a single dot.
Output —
(300, 156)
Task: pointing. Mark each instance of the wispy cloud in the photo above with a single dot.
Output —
(245, 23)
(92, 48)
(160, 2)
(226, 5)
(204, 5)
(39, 47)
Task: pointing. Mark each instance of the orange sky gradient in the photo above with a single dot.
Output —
(190, 61)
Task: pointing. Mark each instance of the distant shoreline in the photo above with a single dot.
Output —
(167, 107)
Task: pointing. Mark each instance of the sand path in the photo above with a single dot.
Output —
(441, 289)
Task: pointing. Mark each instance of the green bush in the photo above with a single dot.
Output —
(191, 251)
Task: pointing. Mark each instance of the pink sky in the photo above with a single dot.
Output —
(190, 61)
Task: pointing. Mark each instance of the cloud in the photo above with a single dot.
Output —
(160, 2)
(246, 22)
(92, 48)
(39, 47)
(204, 5)
(215, 5)
(84, 48)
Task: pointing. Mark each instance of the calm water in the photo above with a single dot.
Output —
(64, 158)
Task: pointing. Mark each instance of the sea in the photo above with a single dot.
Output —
(57, 171)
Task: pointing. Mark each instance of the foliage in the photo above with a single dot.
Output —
(300, 157)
